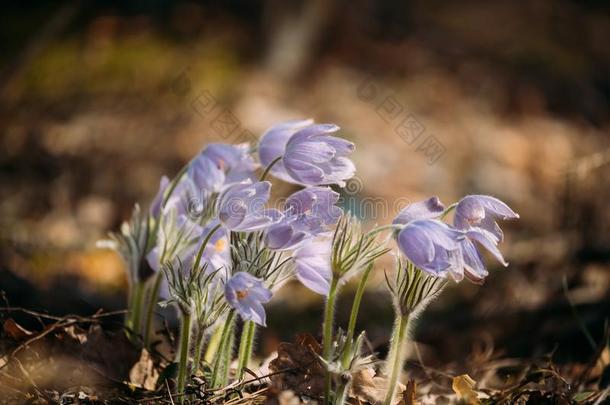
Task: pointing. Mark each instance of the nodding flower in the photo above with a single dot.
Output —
(314, 157)
(272, 146)
(482, 211)
(235, 161)
(247, 294)
(434, 247)
(309, 155)
(241, 207)
(308, 213)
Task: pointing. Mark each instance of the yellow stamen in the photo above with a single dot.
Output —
(220, 245)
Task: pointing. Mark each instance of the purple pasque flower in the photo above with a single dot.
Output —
(312, 265)
(272, 145)
(482, 211)
(434, 247)
(246, 294)
(474, 266)
(427, 209)
(206, 174)
(241, 207)
(308, 213)
(314, 157)
(235, 161)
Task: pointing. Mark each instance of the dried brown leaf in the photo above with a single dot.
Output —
(15, 331)
(302, 371)
(371, 388)
(144, 374)
(463, 386)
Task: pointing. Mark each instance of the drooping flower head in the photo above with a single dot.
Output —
(308, 213)
(235, 161)
(310, 154)
(241, 207)
(206, 175)
(434, 247)
(314, 157)
(482, 211)
(272, 145)
(474, 266)
(246, 294)
(477, 215)
(312, 265)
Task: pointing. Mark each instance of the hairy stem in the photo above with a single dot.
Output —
(185, 340)
(396, 355)
(135, 314)
(150, 309)
(220, 362)
(200, 341)
(327, 339)
(246, 345)
(227, 356)
(351, 328)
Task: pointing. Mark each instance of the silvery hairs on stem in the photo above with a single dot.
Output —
(413, 289)
(131, 244)
(249, 254)
(196, 291)
(353, 250)
(345, 360)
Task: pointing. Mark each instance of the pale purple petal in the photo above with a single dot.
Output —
(427, 209)
(312, 262)
(246, 293)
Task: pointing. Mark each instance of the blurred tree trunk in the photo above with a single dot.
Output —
(296, 30)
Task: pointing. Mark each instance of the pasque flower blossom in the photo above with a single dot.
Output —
(312, 265)
(310, 154)
(234, 161)
(308, 213)
(246, 294)
(482, 211)
(434, 247)
(477, 214)
(241, 207)
(272, 146)
(314, 157)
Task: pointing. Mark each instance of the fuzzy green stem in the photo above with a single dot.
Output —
(185, 340)
(351, 328)
(246, 345)
(341, 394)
(220, 362)
(150, 309)
(227, 356)
(198, 350)
(396, 355)
(134, 318)
(327, 338)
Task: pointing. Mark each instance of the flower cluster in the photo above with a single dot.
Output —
(211, 244)
(450, 250)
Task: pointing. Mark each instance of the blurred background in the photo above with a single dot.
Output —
(99, 99)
